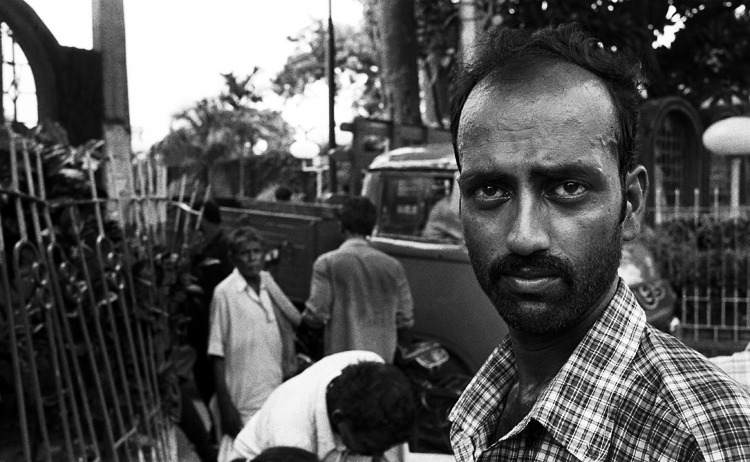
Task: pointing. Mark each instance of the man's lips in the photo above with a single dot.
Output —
(531, 281)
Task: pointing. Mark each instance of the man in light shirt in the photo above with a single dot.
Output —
(251, 338)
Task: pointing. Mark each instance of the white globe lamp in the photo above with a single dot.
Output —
(730, 137)
(304, 149)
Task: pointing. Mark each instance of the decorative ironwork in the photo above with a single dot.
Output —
(86, 331)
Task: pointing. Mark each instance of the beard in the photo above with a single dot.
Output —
(584, 283)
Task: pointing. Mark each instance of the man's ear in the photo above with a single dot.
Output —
(636, 188)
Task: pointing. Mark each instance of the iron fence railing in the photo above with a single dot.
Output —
(84, 332)
(704, 251)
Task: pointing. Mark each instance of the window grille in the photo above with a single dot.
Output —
(671, 140)
(19, 99)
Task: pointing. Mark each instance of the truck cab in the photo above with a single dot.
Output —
(415, 193)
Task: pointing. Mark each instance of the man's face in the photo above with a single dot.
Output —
(541, 196)
(369, 443)
(248, 259)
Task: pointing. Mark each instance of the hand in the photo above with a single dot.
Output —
(231, 420)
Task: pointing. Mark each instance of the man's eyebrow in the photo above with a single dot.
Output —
(484, 175)
(573, 170)
(568, 169)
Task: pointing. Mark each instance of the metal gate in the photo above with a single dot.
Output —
(85, 322)
(704, 251)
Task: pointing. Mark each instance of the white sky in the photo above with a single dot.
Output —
(177, 49)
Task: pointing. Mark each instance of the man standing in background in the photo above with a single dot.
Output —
(251, 343)
(359, 293)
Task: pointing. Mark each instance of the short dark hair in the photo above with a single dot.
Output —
(286, 454)
(357, 215)
(504, 52)
(241, 235)
(282, 193)
(211, 212)
(375, 397)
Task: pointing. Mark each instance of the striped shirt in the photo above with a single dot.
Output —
(628, 392)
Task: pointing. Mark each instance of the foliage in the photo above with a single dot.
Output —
(707, 62)
(356, 58)
(223, 127)
(707, 254)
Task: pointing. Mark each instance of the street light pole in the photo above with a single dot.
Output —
(331, 102)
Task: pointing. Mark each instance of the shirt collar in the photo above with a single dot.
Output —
(354, 242)
(241, 284)
(576, 406)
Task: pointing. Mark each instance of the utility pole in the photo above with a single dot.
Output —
(332, 171)
(109, 39)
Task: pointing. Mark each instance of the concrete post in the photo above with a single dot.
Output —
(109, 39)
(468, 15)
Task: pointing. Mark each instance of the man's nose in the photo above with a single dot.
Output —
(529, 227)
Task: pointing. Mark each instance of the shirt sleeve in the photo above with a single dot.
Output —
(405, 310)
(218, 324)
(321, 291)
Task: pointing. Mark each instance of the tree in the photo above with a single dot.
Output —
(707, 63)
(355, 58)
(222, 128)
(360, 52)
(396, 35)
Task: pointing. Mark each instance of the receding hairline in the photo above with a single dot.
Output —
(547, 76)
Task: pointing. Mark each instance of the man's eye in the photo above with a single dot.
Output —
(569, 189)
(488, 191)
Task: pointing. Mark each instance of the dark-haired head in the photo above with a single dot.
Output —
(375, 403)
(211, 212)
(358, 215)
(286, 454)
(512, 56)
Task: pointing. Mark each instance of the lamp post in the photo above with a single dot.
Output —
(243, 155)
(330, 70)
(730, 137)
(309, 153)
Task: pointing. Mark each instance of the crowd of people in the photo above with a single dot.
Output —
(353, 404)
(544, 130)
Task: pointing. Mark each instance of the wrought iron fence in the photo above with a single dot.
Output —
(86, 317)
(704, 251)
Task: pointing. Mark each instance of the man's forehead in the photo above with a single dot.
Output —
(560, 98)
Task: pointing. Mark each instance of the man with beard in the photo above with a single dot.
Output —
(544, 130)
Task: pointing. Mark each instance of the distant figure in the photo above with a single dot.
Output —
(251, 341)
(283, 194)
(443, 222)
(210, 266)
(359, 294)
(346, 407)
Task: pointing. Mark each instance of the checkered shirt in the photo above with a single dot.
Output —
(627, 393)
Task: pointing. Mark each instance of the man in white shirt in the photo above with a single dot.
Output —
(348, 406)
(248, 351)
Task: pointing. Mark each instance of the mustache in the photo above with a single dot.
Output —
(514, 264)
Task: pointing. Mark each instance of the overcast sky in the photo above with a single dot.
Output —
(177, 49)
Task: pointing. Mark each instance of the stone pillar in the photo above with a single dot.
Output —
(109, 39)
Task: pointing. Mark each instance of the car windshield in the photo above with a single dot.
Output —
(420, 207)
